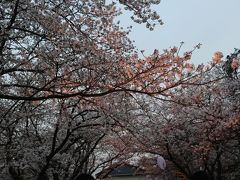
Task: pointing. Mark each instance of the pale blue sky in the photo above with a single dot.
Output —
(214, 23)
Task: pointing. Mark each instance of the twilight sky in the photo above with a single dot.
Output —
(214, 23)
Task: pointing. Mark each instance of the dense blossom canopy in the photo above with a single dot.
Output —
(76, 97)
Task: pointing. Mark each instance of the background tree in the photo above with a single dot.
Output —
(197, 128)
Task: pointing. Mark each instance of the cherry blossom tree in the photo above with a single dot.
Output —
(196, 129)
(70, 78)
(58, 139)
(61, 49)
